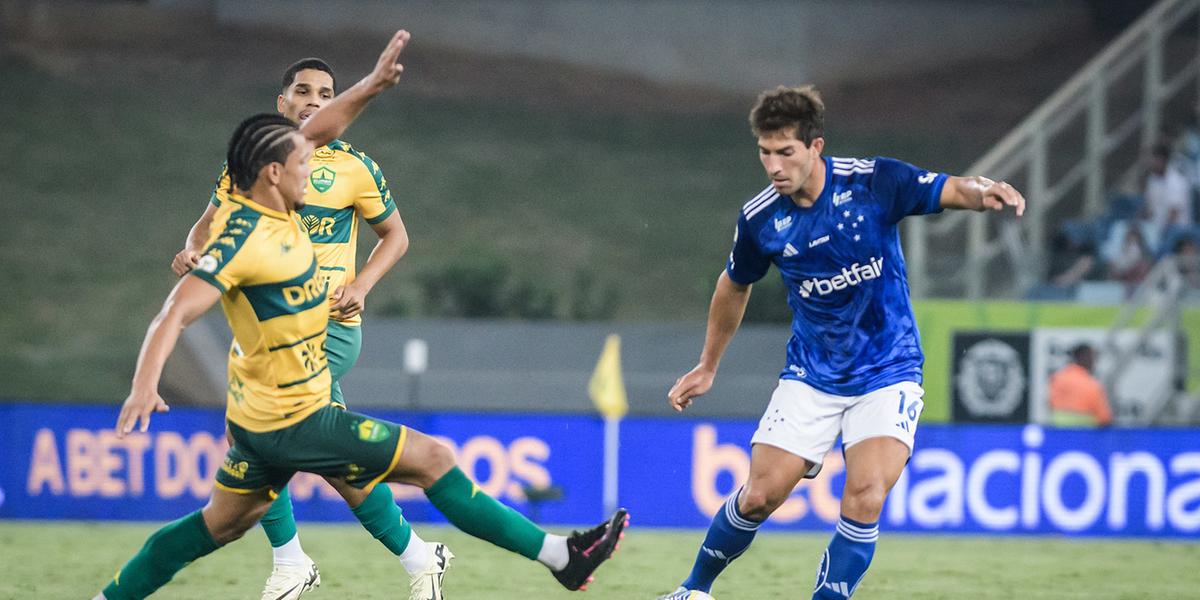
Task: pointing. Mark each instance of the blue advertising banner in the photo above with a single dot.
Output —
(63, 461)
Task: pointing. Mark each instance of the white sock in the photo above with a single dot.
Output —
(554, 552)
(416, 556)
(290, 554)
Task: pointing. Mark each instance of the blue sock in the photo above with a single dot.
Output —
(728, 537)
(846, 559)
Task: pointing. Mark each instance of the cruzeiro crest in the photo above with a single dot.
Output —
(322, 179)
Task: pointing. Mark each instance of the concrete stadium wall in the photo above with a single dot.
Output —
(731, 45)
(498, 366)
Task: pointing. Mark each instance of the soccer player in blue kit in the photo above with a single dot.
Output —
(830, 226)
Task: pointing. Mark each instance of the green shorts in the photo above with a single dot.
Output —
(332, 442)
(343, 343)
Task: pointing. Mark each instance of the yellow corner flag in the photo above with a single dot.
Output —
(607, 387)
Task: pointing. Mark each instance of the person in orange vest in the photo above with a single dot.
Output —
(1077, 398)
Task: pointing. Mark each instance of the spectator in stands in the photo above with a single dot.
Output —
(1187, 258)
(1077, 399)
(1132, 260)
(1168, 193)
(1186, 157)
(1073, 259)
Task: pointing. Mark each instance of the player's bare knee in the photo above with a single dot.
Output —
(233, 528)
(441, 459)
(864, 500)
(757, 504)
(424, 461)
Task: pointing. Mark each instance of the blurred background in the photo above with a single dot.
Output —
(570, 169)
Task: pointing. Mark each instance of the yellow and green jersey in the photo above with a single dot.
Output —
(344, 182)
(276, 302)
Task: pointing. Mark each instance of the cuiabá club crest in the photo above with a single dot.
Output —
(322, 179)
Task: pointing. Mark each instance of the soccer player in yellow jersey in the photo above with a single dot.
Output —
(259, 262)
(343, 185)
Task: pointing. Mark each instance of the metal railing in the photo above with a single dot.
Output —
(976, 243)
(1153, 308)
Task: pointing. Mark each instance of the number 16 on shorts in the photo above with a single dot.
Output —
(909, 411)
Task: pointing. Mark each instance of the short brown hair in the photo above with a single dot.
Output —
(783, 108)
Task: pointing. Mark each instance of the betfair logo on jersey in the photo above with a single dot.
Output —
(237, 470)
(313, 289)
(372, 431)
(849, 277)
(322, 179)
(319, 225)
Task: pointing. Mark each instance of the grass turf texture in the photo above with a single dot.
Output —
(75, 559)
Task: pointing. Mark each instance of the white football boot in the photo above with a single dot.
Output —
(427, 585)
(686, 594)
(289, 583)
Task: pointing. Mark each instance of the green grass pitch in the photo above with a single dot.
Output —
(74, 560)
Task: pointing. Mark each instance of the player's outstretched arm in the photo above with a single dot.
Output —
(186, 259)
(190, 299)
(332, 119)
(724, 316)
(980, 194)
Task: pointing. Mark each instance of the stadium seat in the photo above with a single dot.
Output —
(1125, 206)
(1100, 292)
(1175, 235)
(1046, 292)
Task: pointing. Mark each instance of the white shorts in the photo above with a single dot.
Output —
(806, 422)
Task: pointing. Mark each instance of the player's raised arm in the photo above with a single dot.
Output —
(190, 299)
(980, 194)
(332, 119)
(724, 316)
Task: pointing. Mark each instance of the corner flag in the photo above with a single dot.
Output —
(607, 387)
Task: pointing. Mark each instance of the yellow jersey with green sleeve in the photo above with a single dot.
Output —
(343, 184)
(276, 302)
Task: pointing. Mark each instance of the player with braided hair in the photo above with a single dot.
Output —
(261, 265)
(345, 187)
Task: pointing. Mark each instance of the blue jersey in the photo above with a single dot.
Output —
(853, 329)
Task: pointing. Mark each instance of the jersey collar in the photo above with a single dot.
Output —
(270, 212)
